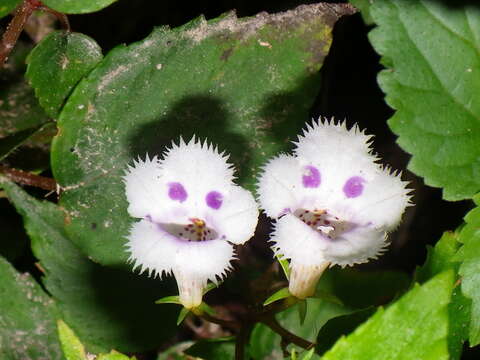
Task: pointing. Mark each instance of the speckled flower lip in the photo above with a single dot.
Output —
(332, 202)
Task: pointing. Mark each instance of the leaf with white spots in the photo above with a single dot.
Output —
(245, 84)
(27, 318)
(107, 308)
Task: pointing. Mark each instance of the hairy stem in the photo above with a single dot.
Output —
(26, 178)
(10, 36)
(14, 29)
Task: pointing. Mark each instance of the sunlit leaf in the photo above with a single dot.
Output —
(430, 50)
(414, 327)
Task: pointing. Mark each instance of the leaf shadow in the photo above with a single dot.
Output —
(127, 301)
(203, 116)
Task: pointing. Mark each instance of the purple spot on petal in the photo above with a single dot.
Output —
(176, 191)
(311, 177)
(214, 199)
(353, 187)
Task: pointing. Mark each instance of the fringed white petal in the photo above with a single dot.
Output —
(280, 185)
(142, 183)
(237, 218)
(152, 249)
(296, 241)
(197, 164)
(193, 262)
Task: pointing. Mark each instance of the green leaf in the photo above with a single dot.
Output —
(265, 343)
(245, 84)
(27, 318)
(56, 65)
(11, 143)
(218, 349)
(362, 289)
(308, 355)
(430, 50)
(7, 6)
(440, 258)
(278, 295)
(19, 109)
(364, 7)
(72, 348)
(470, 268)
(340, 326)
(106, 307)
(182, 315)
(77, 7)
(169, 300)
(302, 311)
(414, 327)
(284, 263)
(114, 355)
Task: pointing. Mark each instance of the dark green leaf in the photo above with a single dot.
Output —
(106, 307)
(361, 289)
(7, 6)
(77, 7)
(216, 349)
(431, 53)
(265, 343)
(27, 318)
(340, 326)
(414, 327)
(245, 84)
(10, 143)
(56, 65)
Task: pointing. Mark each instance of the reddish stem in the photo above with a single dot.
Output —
(14, 29)
(26, 178)
(10, 36)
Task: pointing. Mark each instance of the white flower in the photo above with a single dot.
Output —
(333, 203)
(191, 213)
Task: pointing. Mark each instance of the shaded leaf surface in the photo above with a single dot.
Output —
(265, 343)
(431, 52)
(414, 327)
(27, 318)
(108, 308)
(217, 349)
(56, 65)
(245, 84)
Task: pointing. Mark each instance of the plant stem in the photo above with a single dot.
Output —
(14, 29)
(10, 36)
(26, 178)
(286, 335)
